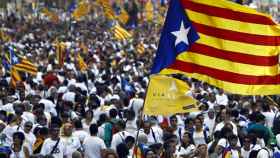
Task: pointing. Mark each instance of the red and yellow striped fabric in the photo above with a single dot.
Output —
(26, 66)
(237, 51)
(15, 77)
(60, 53)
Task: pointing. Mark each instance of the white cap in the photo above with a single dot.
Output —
(62, 89)
(115, 97)
(69, 96)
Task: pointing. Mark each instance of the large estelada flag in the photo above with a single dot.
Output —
(228, 45)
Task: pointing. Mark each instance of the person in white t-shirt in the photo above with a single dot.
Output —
(71, 142)
(178, 131)
(246, 148)
(222, 98)
(209, 121)
(199, 135)
(269, 115)
(225, 116)
(79, 131)
(186, 147)
(88, 120)
(54, 145)
(93, 145)
(29, 136)
(120, 136)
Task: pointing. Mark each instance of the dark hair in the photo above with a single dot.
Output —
(90, 111)
(78, 124)
(188, 120)
(173, 117)
(122, 124)
(253, 138)
(113, 113)
(102, 119)
(260, 117)
(122, 150)
(190, 136)
(232, 137)
(54, 125)
(93, 129)
(197, 118)
(148, 150)
(129, 139)
(19, 135)
(265, 107)
(44, 131)
(225, 131)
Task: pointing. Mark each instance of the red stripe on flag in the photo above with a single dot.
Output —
(234, 56)
(237, 36)
(226, 13)
(225, 75)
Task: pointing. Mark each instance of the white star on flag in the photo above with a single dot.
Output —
(15, 59)
(182, 34)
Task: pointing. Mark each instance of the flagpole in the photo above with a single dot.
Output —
(273, 102)
(141, 117)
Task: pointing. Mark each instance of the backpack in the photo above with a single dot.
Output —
(108, 134)
(254, 153)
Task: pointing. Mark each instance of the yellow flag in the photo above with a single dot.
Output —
(149, 10)
(82, 65)
(167, 95)
(140, 48)
(52, 16)
(123, 17)
(15, 77)
(4, 37)
(120, 33)
(82, 10)
(107, 9)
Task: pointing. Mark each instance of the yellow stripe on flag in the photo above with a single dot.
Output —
(4, 37)
(15, 77)
(167, 95)
(120, 33)
(82, 65)
(107, 9)
(149, 10)
(123, 17)
(235, 88)
(140, 48)
(82, 10)
(51, 15)
(228, 4)
(240, 47)
(233, 25)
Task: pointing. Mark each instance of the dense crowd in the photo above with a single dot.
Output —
(97, 113)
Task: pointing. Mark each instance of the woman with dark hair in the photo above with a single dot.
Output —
(19, 150)
(186, 147)
(169, 148)
(88, 120)
(200, 135)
